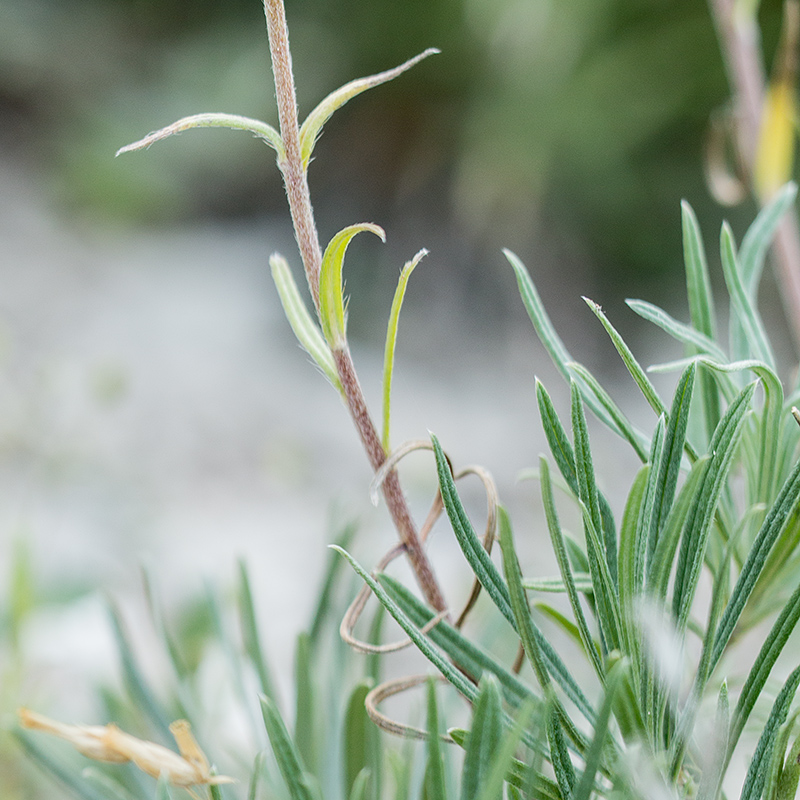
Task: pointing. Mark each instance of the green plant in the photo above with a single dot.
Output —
(717, 495)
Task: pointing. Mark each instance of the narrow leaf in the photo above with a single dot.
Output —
(698, 525)
(361, 747)
(312, 127)
(434, 770)
(305, 724)
(595, 752)
(755, 337)
(250, 634)
(698, 282)
(588, 493)
(773, 646)
(560, 550)
(504, 756)
(671, 454)
(486, 572)
(759, 236)
(677, 330)
(757, 773)
(466, 654)
(138, 688)
(331, 287)
(391, 340)
(258, 128)
(304, 327)
(286, 754)
(559, 754)
(781, 510)
(701, 309)
(483, 740)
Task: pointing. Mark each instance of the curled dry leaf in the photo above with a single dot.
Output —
(108, 743)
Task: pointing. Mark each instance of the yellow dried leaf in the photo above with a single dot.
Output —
(109, 743)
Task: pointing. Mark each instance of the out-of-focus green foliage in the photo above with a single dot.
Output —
(555, 129)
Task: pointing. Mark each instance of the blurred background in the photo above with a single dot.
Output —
(153, 404)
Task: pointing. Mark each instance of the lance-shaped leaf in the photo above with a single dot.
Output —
(331, 288)
(759, 236)
(755, 341)
(483, 741)
(391, 340)
(304, 327)
(258, 128)
(311, 128)
(759, 764)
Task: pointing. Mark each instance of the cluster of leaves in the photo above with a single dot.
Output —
(718, 492)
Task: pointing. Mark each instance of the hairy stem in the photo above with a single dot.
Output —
(741, 48)
(294, 176)
(308, 241)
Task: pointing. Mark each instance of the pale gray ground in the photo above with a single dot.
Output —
(155, 408)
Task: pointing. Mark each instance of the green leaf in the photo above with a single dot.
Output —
(305, 724)
(622, 425)
(304, 327)
(593, 756)
(360, 785)
(286, 754)
(632, 365)
(567, 575)
(582, 581)
(698, 283)
(755, 337)
(61, 772)
(631, 576)
(391, 340)
(757, 677)
(588, 495)
(779, 513)
(698, 524)
(769, 437)
(539, 317)
(422, 642)
(312, 127)
(434, 770)
(521, 776)
(556, 349)
(559, 755)
(466, 654)
(682, 333)
(483, 741)
(138, 688)
(759, 764)
(504, 756)
(162, 789)
(331, 287)
(671, 454)
(686, 503)
(714, 768)
(258, 128)
(250, 635)
(759, 236)
(701, 309)
(486, 572)
(479, 560)
(361, 744)
(525, 625)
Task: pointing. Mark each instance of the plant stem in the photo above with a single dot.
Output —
(738, 33)
(294, 176)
